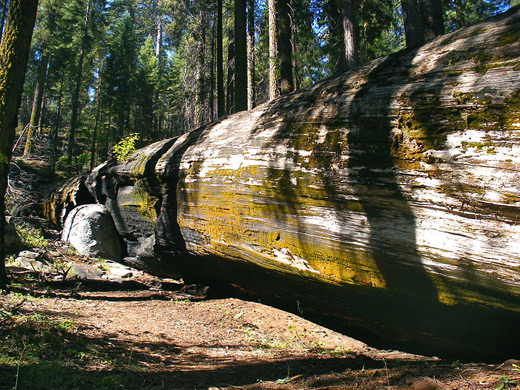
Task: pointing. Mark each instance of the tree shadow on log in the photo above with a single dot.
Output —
(407, 304)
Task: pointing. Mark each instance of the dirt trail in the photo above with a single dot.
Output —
(230, 343)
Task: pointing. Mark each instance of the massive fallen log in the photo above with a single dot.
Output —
(384, 202)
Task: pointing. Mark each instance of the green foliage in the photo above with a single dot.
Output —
(460, 13)
(3, 159)
(506, 383)
(125, 147)
(31, 236)
(133, 82)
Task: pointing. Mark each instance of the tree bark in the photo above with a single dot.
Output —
(56, 127)
(432, 19)
(221, 99)
(14, 54)
(273, 49)
(230, 96)
(412, 23)
(200, 101)
(240, 56)
(350, 34)
(251, 77)
(285, 46)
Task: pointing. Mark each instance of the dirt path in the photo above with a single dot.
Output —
(129, 341)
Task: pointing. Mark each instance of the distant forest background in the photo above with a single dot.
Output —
(102, 70)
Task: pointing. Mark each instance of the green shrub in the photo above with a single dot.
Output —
(125, 147)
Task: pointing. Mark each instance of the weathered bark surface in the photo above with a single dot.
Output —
(384, 202)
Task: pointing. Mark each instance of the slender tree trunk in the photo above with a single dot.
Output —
(212, 73)
(412, 23)
(108, 133)
(14, 54)
(230, 97)
(77, 88)
(432, 19)
(201, 64)
(273, 50)
(350, 34)
(221, 99)
(251, 92)
(285, 46)
(37, 101)
(157, 111)
(56, 128)
(240, 56)
(295, 63)
(96, 123)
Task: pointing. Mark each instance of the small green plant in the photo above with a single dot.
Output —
(505, 383)
(125, 147)
(31, 236)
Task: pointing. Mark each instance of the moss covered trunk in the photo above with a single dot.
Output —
(14, 54)
(384, 202)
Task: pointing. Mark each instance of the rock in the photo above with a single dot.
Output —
(87, 272)
(32, 261)
(90, 229)
(383, 203)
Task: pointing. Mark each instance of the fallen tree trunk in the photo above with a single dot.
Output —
(384, 202)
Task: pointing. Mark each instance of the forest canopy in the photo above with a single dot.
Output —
(102, 70)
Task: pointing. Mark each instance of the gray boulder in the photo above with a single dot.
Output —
(90, 229)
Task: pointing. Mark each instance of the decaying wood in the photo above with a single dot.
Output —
(384, 202)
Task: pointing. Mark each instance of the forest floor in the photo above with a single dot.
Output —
(71, 322)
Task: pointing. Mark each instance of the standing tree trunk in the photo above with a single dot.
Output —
(412, 23)
(75, 96)
(240, 56)
(251, 93)
(432, 19)
(230, 96)
(221, 99)
(96, 123)
(350, 34)
(212, 73)
(37, 101)
(14, 54)
(56, 128)
(200, 100)
(157, 111)
(273, 50)
(285, 47)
